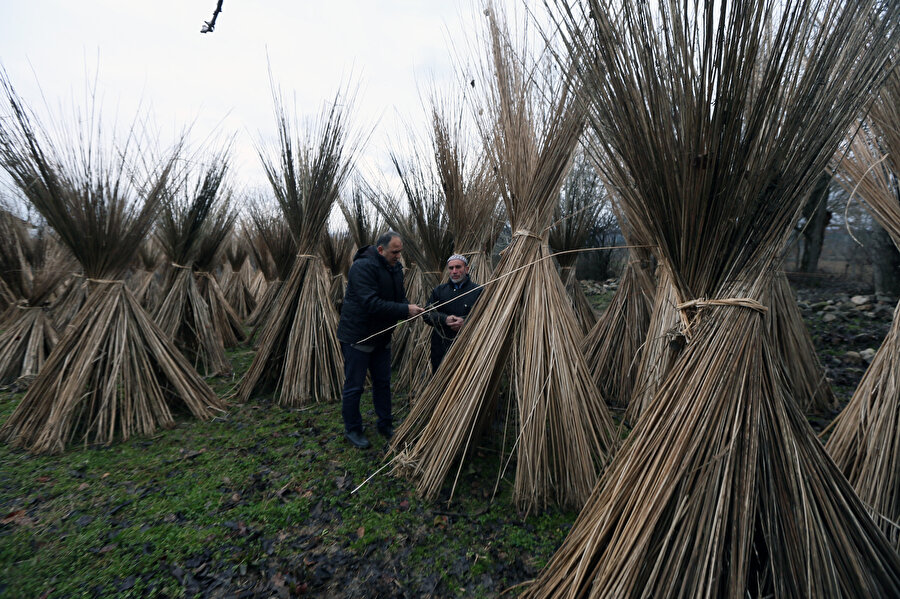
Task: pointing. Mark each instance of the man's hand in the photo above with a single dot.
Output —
(455, 322)
(415, 310)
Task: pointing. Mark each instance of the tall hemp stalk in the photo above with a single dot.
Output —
(299, 355)
(580, 203)
(523, 321)
(191, 225)
(113, 373)
(722, 489)
(865, 441)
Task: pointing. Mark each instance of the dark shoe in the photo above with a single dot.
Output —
(386, 431)
(357, 439)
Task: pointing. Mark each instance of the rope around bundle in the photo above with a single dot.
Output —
(732, 302)
(527, 233)
(736, 302)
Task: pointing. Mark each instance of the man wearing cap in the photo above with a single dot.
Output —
(375, 300)
(461, 292)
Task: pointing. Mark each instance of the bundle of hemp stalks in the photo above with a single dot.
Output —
(613, 347)
(225, 320)
(274, 249)
(236, 276)
(113, 373)
(190, 229)
(299, 357)
(523, 321)
(789, 338)
(722, 489)
(34, 264)
(864, 441)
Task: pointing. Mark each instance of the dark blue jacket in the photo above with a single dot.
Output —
(461, 299)
(375, 299)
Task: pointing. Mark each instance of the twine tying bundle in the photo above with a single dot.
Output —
(104, 281)
(737, 302)
(698, 304)
(527, 233)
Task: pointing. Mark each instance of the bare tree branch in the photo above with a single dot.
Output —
(210, 26)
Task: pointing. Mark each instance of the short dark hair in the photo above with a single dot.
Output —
(385, 238)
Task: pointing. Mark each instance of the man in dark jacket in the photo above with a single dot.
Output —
(447, 320)
(375, 300)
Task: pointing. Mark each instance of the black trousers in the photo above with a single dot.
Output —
(356, 364)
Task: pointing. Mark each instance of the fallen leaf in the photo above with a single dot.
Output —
(360, 532)
(18, 517)
(43, 479)
(83, 486)
(107, 548)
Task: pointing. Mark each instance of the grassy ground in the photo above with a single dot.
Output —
(260, 502)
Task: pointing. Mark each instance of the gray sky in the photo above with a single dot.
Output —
(153, 52)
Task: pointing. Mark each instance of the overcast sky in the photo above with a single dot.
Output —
(153, 52)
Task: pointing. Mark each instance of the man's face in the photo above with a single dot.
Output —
(458, 270)
(391, 253)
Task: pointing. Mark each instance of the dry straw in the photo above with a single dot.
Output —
(522, 322)
(299, 356)
(864, 442)
(145, 281)
(722, 489)
(113, 373)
